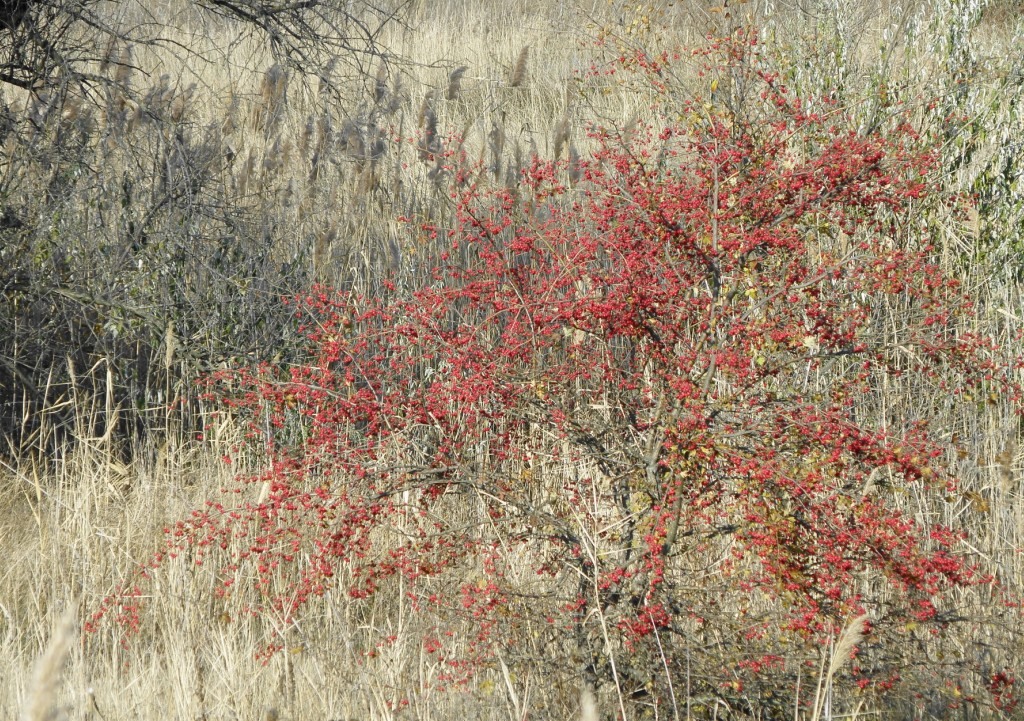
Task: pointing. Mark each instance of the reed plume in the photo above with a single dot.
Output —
(518, 77)
(268, 112)
(496, 141)
(455, 82)
(841, 654)
(429, 143)
(42, 692)
(308, 136)
(425, 107)
(326, 75)
(848, 640)
(109, 54)
(588, 708)
(561, 136)
(572, 93)
(352, 141)
(170, 345)
(380, 84)
(575, 168)
(123, 73)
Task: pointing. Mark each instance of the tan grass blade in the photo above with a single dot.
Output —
(509, 686)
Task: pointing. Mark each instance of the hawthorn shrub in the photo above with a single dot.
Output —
(638, 427)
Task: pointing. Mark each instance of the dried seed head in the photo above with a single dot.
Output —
(378, 146)
(848, 640)
(572, 91)
(561, 136)
(326, 75)
(425, 108)
(170, 344)
(246, 173)
(325, 127)
(123, 73)
(42, 693)
(455, 82)
(575, 168)
(308, 136)
(274, 84)
(496, 141)
(629, 129)
(1005, 458)
(109, 54)
(437, 173)
(518, 77)
(429, 143)
(588, 708)
(270, 109)
(314, 169)
(352, 141)
(380, 85)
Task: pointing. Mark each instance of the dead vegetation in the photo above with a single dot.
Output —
(147, 236)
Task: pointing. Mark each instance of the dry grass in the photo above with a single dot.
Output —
(337, 170)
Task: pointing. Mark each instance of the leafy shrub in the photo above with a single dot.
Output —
(641, 421)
